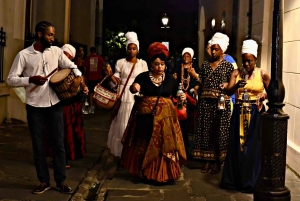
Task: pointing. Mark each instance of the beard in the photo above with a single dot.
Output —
(45, 43)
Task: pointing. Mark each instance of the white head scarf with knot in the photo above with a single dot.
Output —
(70, 49)
(132, 38)
(188, 50)
(250, 46)
(221, 39)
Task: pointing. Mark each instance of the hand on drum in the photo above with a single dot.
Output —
(74, 85)
(85, 90)
(38, 80)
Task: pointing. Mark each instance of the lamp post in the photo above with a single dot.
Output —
(213, 24)
(165, 21)
(271, 186)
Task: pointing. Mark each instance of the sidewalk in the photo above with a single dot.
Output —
(17, 172)
(192, 186)
(97, 177)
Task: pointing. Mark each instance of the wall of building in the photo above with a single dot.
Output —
(12, 18)
(82, 28)
(213, 10)
(51, 11)
(291, 76)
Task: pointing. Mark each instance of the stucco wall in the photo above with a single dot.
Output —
(213, 11)
(52, 11)
(12, 14)
(82, 28)
(291, 77)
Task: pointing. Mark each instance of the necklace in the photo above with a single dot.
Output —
(248, 82)
(157, 81)
(185, 81)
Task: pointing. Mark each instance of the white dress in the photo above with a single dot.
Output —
(119, 123)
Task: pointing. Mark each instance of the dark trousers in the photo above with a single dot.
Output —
(38, 120)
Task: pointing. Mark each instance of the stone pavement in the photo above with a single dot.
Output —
(97, 176)
(193, 186)
(17, 171)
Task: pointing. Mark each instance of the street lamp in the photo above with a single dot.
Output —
(213, 24)
(165, 21)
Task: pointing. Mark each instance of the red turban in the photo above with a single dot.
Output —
(156, 48)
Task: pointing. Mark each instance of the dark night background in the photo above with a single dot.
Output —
(144, 18)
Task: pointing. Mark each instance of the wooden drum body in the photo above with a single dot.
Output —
(60, 82)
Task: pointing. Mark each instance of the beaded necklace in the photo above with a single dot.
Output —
(185, 81)
(157, 81)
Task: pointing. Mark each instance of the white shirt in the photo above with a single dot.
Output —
(30, 62)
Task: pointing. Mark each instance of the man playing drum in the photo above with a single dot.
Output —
(31, 67)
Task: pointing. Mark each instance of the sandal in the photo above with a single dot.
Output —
(215, 169)
(206, 168)
(68, 166)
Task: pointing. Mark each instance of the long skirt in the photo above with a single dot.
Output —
(117, 128)
(74, 131)
(242, 164)
(157, 157)
(212, 131)
(74, 135)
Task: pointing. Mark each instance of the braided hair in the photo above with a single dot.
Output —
(41, 27)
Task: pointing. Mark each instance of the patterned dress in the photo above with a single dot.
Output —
(212, 124)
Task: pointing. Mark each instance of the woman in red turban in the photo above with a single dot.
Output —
(154, 151)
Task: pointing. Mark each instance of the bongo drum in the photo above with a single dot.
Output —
(60, 82)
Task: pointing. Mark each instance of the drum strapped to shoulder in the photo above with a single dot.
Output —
(104, 97)
(60, 82)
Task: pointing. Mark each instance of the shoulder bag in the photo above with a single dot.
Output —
(118, 101)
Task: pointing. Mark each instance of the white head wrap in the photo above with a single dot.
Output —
(250, 46)
(188, 50)
(221, 39)
(132, 38)
(209, 42)
(70, 49)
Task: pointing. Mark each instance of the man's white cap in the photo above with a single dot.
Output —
(70, 49)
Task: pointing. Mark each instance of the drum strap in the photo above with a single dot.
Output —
(127, 81)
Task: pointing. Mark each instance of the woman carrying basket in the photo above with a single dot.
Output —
(125, 72)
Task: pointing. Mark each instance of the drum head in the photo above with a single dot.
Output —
(60, 75)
